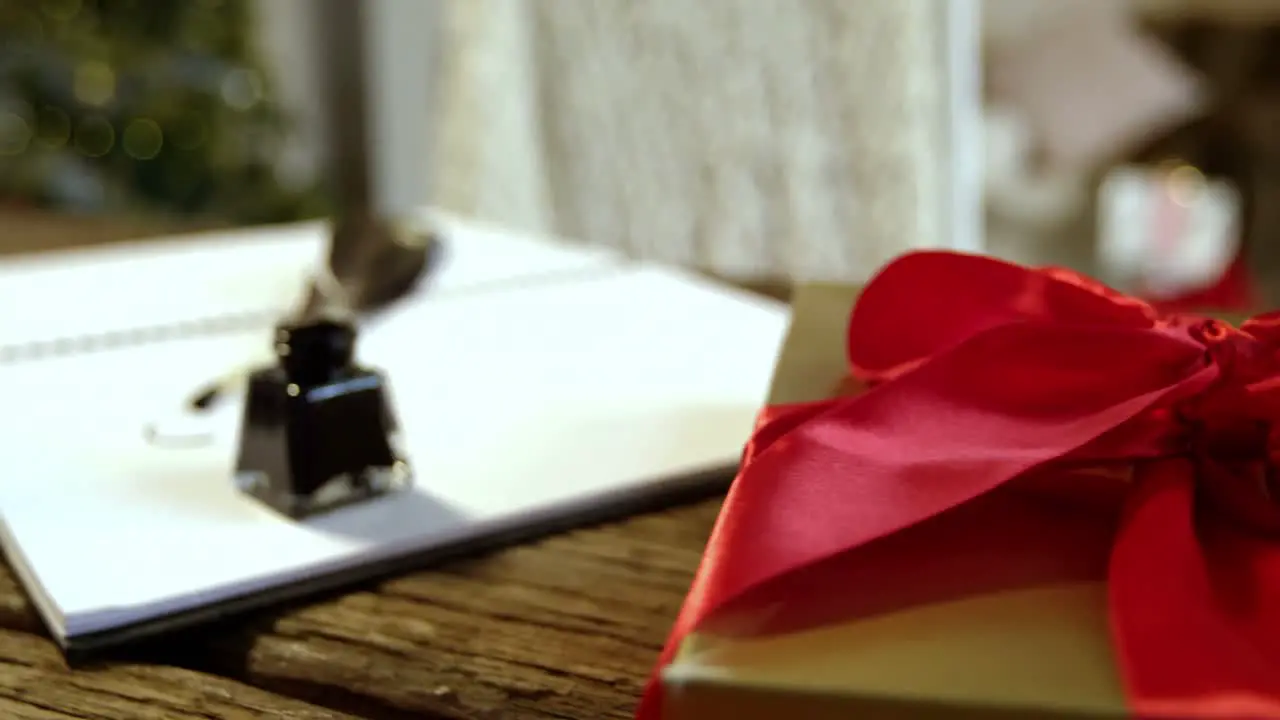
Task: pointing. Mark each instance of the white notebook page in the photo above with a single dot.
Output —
(516, 405)
(159, 282)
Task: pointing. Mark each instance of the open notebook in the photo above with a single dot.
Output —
(154, 289)
(566, 387)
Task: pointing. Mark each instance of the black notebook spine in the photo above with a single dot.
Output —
(131, 337)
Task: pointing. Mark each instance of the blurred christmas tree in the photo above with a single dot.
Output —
(138, 104)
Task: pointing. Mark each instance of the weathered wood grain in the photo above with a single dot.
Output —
(16, 611)
(35, 684)
(564, 628)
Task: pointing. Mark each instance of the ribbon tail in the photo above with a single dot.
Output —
(956, 428)
(1183, 649)
(774, 423)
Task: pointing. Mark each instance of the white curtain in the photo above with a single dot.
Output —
(793, 139)
(776, 139)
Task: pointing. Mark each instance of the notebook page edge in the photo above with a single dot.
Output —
(487, 535)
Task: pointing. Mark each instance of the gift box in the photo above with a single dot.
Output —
(987, 491)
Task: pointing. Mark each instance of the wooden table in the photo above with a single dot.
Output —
(563, 628)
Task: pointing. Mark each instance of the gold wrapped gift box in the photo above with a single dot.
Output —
(1038, 653)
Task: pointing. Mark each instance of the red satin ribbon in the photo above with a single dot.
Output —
(1022, 427)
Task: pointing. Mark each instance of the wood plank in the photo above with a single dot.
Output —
(35, 684)
(16, 611)
(568, 627)
(564, 628)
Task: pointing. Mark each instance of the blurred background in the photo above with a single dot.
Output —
(779, 140)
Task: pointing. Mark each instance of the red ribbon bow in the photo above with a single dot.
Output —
(1023, 427)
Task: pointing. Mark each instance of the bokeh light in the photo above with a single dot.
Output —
(242, 89)
(95, 136)
(15, 133)
(1184, 184)
(95, 83)
(142, 139)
